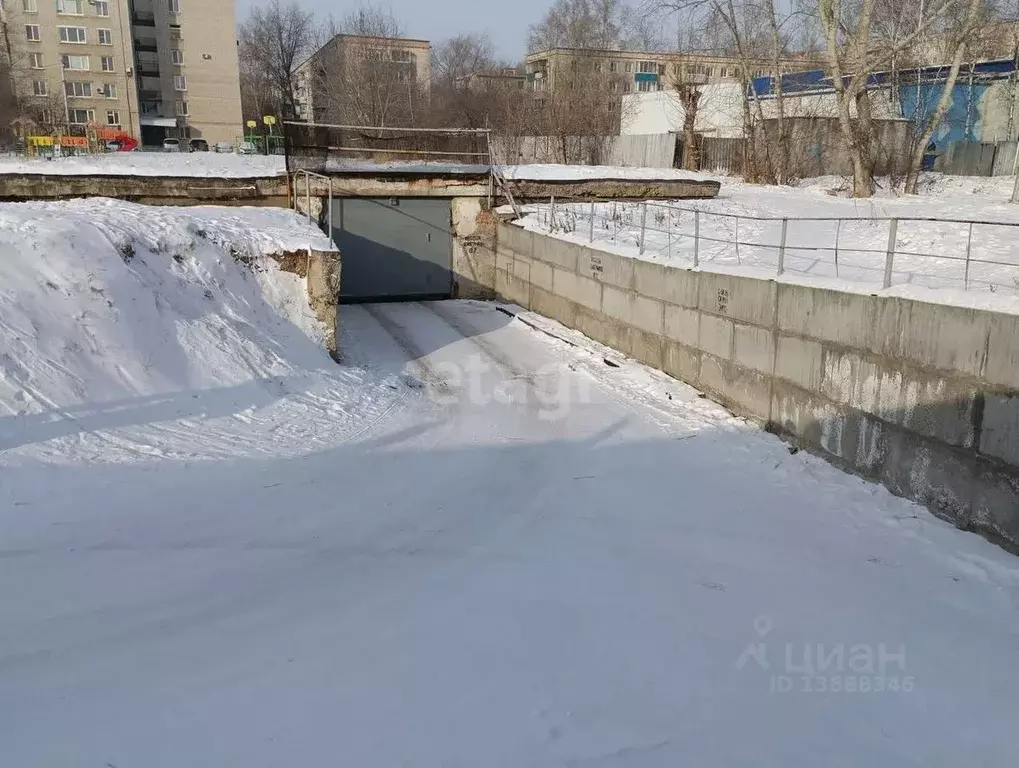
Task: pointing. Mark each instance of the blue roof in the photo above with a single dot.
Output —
(815, 80)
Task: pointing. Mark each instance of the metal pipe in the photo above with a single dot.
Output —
(643, 225)
(893, 227)
(307, 195)
(696, 238)
(781, 247)
(590, 233)
(969, 242)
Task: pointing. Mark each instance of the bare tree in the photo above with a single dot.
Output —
(366, 77)
(274, 40)
(578, 24)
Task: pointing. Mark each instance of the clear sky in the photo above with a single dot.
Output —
(505, 22)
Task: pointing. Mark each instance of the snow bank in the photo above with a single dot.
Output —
(196, 164)
(930, 260)
(551, 172)
(115, 314)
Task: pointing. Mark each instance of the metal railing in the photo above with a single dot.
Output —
(307, 197)
(857, 248)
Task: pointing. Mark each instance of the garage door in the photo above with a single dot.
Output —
(393, 248)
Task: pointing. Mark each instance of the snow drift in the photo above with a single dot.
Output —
(106, 306)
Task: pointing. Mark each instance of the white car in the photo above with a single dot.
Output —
(224, 146)
(247, 148)
(171, 145)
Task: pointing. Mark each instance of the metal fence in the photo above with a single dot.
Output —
(323, 148)
(934, 253)
(978, 158)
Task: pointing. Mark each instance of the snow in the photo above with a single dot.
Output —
(551, 172)
(169, 322)
(930, 259)
(172, 164)
(474, 543)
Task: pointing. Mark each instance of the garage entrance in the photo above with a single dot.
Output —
(394, 248)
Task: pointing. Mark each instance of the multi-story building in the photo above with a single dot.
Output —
(363, 80)
(635, 71)
(154, 68)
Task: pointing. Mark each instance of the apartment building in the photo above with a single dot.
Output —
(623, 72)
(153, 68)
(364, 80)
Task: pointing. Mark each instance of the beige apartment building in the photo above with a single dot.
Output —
(363, 80)
(622, 72)
(153, 68)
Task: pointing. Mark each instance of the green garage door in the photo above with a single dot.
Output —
(393, 248)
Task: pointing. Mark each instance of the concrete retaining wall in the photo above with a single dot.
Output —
(923, 398)
(321, 273)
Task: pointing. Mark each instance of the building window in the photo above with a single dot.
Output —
(648, 67)
(80, 116)
(39, 88)
(35, 61)
(77, 63)
(110, 90)
(29, 6)
(105, 37)
(646, 86)
(182, 109)
(661, 69)
(107, 62)
(32, 33)
(723, 72)
(612, 66)
(78, 89)
(629, 66)
(180, 83)
(177, 56)
(626, 87)
(112, 117)
(78, 35)
(175, 32)
(173, 5)
(614, 86)
(102, 8)
(71, 7)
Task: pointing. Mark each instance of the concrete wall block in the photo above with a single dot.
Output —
(800, 361)
(681, 362)
(878, 390)
(754, 348)
(603, 329)
(504, 258)
(541, 275)
(999, 436)
(715, 336)
(550, 305)
(605, 267)
(522, 267)
(681, 324)
(934, 474)
(943, 337)
(646, 347)
(938, 408)
(647, 314)
(712, 375)
(748, 299)
(616, 303)
(995, 507)
(838, 380)
(1003, 351)
(558, 253)
(582, 290)
(512, 288)
(516, 238)
(657, 281)
(747, 391)
(843, 318)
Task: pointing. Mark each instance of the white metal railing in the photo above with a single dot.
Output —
(307, 197)
(864, 249)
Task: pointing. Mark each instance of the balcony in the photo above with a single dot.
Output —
(149, 96)
(153, 108)
(145, 45)
(143, 19)
(147, 70)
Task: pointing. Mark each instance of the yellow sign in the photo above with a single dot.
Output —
(269, 119)
(252, 123)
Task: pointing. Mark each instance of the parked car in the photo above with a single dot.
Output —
(224, 146)
(247, 148)
(171, 145)
(198, 145)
